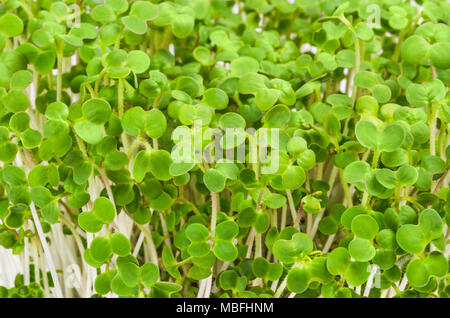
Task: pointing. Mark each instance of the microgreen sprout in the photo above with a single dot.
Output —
(224, 148)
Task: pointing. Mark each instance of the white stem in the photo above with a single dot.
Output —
(385, 293)
(138, 245)
(149, 239)
(292, 206)
(26, 262)
(47, 254)
(165, 231)
(274, 285)
(274, 218)
(250, 240)
(208, 287)
(309, 220)
(370, 281)
(283, 217)
(403, 283)
(91, 272)
(44, 269)
(332, 180)
(328, 243)
(281, 288)
(316, 223)
(201, 288)
(36, 262)
(391, 292)
(214, 210)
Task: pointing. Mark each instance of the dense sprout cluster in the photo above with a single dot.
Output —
(347, 100)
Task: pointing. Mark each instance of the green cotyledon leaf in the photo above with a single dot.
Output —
(210, 149)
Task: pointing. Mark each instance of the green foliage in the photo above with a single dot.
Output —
(225, 148)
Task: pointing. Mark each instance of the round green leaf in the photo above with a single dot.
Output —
(293, 177)
(120, 244)
(133, 120)
(89, 222)
(129, 273)
(411, 238)
(101, 249)
(367, 134)
(225, 250)
(155, 123)
(439, 55)
(356, 171)
(417, 273)
(104, 210)
(243, 65)
(361, 250)
(365, 79)
(182, 25)
(197, 232)
(214, 180)
(364, 226)
(391, 138)
(298, 279)
(16, 101)
(414, 49)
(89, 132)
(103, 14)
(430, 223)
(216, 98)
(138, 61)
(149, 274)
(160, 162)
(144, 10)
(227, 230)
(11, 25)
(407, 175)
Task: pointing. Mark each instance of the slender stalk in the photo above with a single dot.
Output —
(81, 145)
(370, 280)
(432, 118)
(403, 283)
(59, 75)
(48, 256)
(319, 216)
(26, 261)
(328, 243)
(376, 156)
(283, 217)
(120, 102)
(291, 206)
(299, 215)
(357, 55)
(442, 142)
(35, 260)
(214, 210)
(138, 245)
(365, 199)
(281, 288)
(148, 237)
(208, 287)
(309, 222)
(251, 237)
(185, 261)
(345, 187)
(201, 288)
(258, 245)
(250, 241)
(165, 231)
